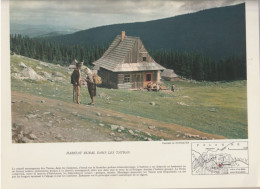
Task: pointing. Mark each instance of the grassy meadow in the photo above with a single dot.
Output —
(213, 107)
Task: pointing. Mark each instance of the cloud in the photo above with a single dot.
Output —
(206, 4)
(90, 13)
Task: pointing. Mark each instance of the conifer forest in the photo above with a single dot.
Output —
(191, 65)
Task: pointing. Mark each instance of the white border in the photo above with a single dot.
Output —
(142, 153)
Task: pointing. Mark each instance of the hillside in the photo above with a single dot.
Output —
(218, 32)
(42, 104)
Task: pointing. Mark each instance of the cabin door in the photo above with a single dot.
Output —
(148, 77)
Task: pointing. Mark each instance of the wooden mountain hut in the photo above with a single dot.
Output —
(126, 64)
(73, 64)
(170, 75)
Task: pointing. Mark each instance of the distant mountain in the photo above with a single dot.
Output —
(217, 32)
(53, 34)
(40, 30)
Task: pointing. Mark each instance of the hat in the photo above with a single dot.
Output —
(89, 70)
(78, 64)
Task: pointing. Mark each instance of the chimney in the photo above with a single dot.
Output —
(123, 36)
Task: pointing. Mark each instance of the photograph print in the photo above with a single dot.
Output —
(116, 71)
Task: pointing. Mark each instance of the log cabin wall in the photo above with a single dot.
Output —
(125, 80)
(137, 53)
(109, 78)
(137, 80)
(134, 80)
(132, 55)
(142, 52)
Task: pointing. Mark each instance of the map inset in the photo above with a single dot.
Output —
(217, 158)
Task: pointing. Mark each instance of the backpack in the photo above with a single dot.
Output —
(97, 79)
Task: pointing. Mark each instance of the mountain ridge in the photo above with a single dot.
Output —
(40, 30)
(219, 32)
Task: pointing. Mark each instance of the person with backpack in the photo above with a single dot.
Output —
(75, 80)
(91, 85)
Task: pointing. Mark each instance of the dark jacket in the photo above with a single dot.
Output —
(75, 77)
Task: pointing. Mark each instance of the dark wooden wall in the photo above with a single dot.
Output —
(137, 53)
(116, 80)
(137, 79)
(109, 78)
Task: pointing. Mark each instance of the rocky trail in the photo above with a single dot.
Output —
(36, 119)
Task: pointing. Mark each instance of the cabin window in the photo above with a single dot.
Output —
(148, 77)
(127, 78)
(144, 58)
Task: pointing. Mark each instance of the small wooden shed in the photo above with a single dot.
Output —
(126, 64)
(73, 64)
(170, 75)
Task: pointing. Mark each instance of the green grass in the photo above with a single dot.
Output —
(213, 107)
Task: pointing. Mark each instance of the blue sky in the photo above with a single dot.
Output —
(84, 14)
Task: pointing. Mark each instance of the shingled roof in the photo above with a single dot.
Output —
(114, 59)
(169, 73)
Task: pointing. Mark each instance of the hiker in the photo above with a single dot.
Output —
(75, 80)
(91, 85)
(173, 87)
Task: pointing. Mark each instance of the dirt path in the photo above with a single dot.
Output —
(39, 119)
